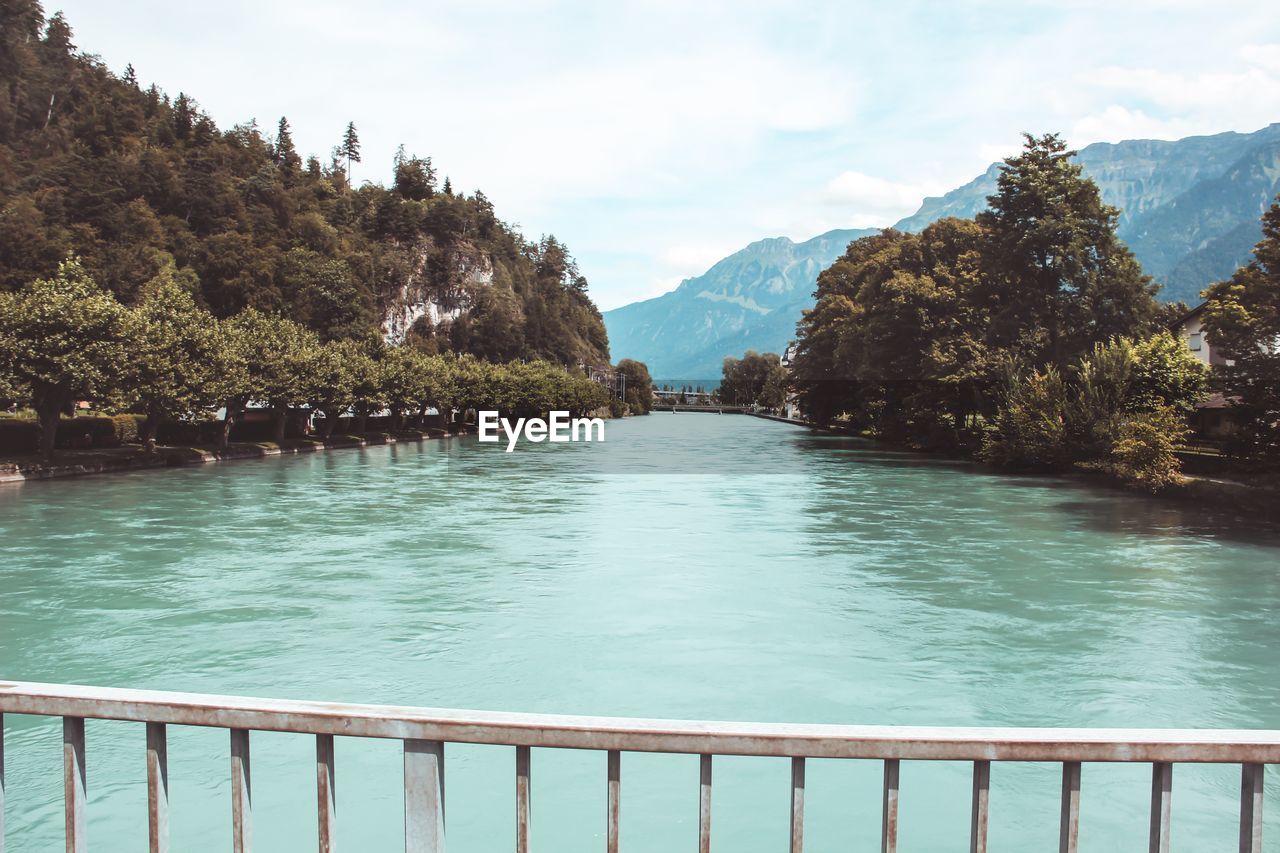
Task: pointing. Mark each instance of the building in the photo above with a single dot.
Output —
(1212, 417)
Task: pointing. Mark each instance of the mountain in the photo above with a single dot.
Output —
(749, 300)
(1190, 210)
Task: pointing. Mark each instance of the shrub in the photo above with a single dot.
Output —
(1030, 429)
(1144, 451)
(127, 428)
(18, 436)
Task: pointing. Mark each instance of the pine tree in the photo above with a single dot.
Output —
(286, 156)
(1062, 279)
(130, 76)
(350, 148)
(447, 189)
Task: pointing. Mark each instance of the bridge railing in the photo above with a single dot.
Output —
(425, 731)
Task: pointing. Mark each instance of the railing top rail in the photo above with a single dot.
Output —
(641, 735)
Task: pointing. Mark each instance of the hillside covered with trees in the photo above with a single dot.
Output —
(134, 182)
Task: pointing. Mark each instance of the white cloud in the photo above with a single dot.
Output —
(869, 201)
(1116, 123)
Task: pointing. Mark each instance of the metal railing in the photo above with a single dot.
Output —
(425, 731)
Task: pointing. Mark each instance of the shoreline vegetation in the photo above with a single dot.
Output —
(1031, 340)
(160, 269)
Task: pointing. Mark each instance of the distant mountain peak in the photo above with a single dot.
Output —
(1190, 210)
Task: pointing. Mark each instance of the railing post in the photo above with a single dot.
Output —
(889, 812)
(157, 788)
(615, 797)
(1069, 832)
(326, 795)
(797, 805)
(1161, 805)
(423, 796)
(981, 799)
(1251, 776)
(704, 804)
(522, 799)
(241, 792)
(73, 783)
(1, 783)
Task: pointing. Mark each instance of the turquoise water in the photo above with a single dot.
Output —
(692, 566)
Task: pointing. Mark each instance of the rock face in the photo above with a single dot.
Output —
(749, 300)
(419, 299)
(1190, 210)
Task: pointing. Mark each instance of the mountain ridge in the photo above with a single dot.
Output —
(1190, 211)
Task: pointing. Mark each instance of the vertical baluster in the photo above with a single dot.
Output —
(241, 792)
(704, 804)
(1161, 803)
(1, 783)
(981, 799)
(73, 783)
(423, 796)
(797, 805)
(1251, 808)
(1069, 834)
(522, 799)
(615, 796)
(157, 788)
(326, 795)
(889, 814)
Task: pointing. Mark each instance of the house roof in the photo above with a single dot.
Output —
(1187, 316)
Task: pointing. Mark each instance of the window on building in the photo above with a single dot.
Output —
(1196, 341)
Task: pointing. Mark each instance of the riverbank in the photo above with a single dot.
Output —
(133, 457)
(1260, 499)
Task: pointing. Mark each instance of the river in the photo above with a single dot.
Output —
(692, 566)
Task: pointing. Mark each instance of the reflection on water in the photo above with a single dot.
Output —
(692, 566)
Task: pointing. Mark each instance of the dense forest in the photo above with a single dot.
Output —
(133, 182)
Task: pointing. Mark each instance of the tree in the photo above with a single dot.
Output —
(350, 148)
(175, 353)
(638, 385)
(745, 378)
(62, 339)
(285, 155)
(333, 381)
(414, 177)
(280, 359)
(1058, 279)
(1242, 321)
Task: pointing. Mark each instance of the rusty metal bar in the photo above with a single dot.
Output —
(615, 800)
(1251, 776)
(241, 793)
(797, 805)
(522, 799)
(157, 788)
(704, 804)
(326, 795)
(1069, 831)
(423, 796)
(1161, 805)
(73, 783)
(889, 811)
(981, 800)
(637, 735)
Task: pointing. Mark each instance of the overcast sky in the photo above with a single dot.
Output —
(655, 137)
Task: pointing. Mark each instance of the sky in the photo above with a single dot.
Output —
(655, 137)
